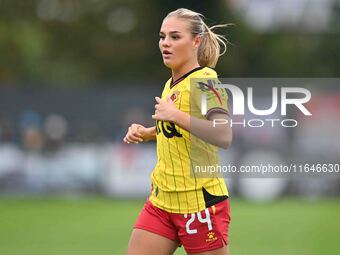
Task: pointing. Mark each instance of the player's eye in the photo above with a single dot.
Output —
(175, 37)
(162, 37)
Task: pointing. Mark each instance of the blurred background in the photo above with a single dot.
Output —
(75, 74)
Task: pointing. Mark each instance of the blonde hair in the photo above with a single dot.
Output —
(210, 48)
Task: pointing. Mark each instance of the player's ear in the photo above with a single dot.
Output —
(197, 41)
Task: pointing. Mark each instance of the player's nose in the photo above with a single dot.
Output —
(165, 43)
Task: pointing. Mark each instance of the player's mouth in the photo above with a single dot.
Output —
(166, 53)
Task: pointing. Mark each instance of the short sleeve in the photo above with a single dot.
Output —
(208, 97)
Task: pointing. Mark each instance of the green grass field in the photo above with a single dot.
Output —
(90, 226)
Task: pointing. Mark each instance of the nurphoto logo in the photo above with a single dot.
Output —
(239, 104)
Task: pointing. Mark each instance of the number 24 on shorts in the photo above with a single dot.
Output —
(200, 219)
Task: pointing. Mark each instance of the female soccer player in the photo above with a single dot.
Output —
(184, 208)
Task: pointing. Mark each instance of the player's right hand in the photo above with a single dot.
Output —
(138, 133)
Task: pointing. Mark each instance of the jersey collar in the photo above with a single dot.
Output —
(173, 83)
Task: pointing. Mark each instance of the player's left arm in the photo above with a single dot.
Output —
(210, 130)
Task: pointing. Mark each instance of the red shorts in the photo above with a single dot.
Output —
(197, 232)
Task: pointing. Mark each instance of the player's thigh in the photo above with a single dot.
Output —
(221, 251)
(143, 242)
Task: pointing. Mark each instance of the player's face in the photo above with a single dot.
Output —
(178, 46)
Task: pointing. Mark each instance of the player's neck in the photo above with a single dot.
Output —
(178, 73)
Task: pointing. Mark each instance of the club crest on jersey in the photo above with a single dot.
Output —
(174, 96)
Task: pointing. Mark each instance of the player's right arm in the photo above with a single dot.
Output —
(138, 133)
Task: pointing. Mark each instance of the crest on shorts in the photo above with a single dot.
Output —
(174, 96)
(211, 237)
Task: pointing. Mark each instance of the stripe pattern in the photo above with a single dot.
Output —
(179, 189)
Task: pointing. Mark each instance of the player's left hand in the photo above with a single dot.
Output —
(165, 110)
